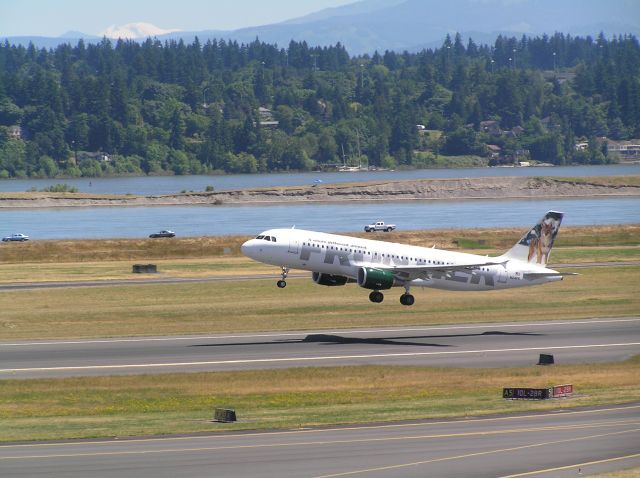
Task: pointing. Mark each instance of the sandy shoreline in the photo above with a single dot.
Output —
(408, 190)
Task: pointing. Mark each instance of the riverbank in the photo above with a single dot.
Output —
(406, 190)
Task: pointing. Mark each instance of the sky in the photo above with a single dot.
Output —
(55, 17)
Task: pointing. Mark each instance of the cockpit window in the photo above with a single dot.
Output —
(267, 238)
(259, 237)
(273, 239)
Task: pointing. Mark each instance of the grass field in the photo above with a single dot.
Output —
(191, 308)
(632, 473)
(179, 403)
(237, 265)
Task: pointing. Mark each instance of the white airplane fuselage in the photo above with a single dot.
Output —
(345, 256)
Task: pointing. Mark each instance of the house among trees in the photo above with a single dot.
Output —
(625, 149)
(266, 119)
(491, 127)
(515, 131)
(15, 132)
(494, 151)
(97, 155)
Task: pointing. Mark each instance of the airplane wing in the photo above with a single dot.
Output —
(424, 271)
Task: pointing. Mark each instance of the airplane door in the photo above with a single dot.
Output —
(294, 244)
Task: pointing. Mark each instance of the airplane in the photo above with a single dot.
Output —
(336, 260)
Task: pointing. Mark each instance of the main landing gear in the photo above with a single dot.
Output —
(407, 298)
(282, 283)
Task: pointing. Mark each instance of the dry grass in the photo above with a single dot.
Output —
(92, 250)
(121, 270)
(632, 473)
(37, 195)
(166, 309)
(177, 403)
(619, 181)
(224, 246)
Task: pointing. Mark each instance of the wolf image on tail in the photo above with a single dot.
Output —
(535, 246)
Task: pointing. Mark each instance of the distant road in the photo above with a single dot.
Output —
(472, 345)
(180, 280)
(562, 443)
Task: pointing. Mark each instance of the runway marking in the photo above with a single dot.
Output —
(469, 455)
(305, 359)
(578, 465)
(334, 442)
(549, 414)
(303, 333)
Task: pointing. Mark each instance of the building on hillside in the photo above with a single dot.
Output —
(16, 132)
(97, 155)
(266, 119)
(625, 149)
(491, 127)
(494, 151)
(516, 131)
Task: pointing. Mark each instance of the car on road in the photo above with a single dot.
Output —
(379, 226)
(15, 238)
(165, 233)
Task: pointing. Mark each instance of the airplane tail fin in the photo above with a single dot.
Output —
(535, 246)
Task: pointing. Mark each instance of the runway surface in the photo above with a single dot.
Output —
(473, 345)
(559, 444)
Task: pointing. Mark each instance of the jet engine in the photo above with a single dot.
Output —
(375, 279)
(328, 279)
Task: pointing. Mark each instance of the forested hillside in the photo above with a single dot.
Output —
(152, 108)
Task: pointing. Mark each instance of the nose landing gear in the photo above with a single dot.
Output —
(282, 283)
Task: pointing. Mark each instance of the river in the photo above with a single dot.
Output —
(154, 185)
(110, 222)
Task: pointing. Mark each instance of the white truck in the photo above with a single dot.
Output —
(379, 226)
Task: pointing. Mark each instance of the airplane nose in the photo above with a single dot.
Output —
(245, 247)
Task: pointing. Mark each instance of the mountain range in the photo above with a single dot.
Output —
(370, 25)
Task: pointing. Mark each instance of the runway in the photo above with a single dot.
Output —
(558, 444)
(472, 345)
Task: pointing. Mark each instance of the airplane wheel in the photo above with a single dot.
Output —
(282, 284)
(407, 299)
(376, 297)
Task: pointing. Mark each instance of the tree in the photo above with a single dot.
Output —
(184, 107)
(547, 148)
(463, 141)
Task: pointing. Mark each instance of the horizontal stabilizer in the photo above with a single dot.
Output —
(540, 275)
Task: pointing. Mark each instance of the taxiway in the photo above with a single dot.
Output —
(559, 443)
